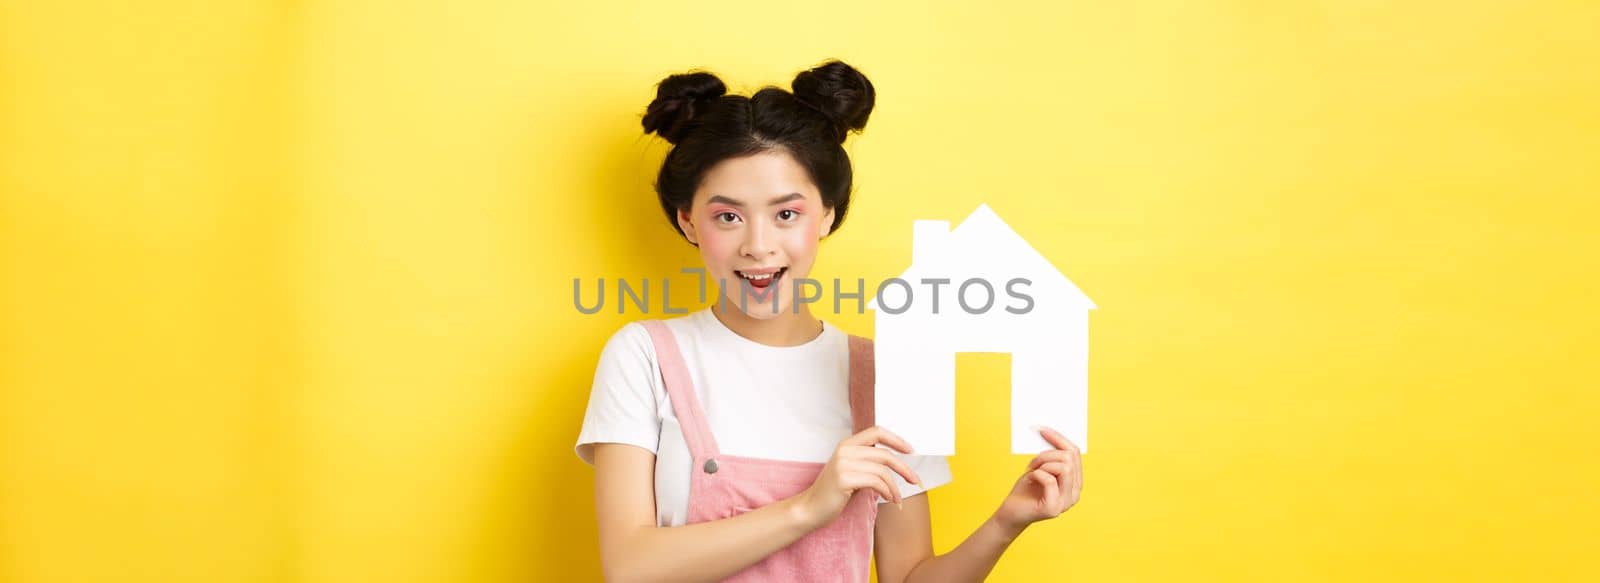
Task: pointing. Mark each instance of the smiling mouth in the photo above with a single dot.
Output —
(762, 281)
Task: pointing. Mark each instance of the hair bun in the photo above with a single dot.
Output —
(679, 98)
(840, 92)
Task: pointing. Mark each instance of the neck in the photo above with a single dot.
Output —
(786, 329)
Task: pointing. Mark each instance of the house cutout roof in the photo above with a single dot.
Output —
(984, 245)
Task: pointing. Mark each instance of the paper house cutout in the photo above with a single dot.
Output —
(915, 348)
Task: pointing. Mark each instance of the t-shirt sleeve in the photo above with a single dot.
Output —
(934, 470)
(622, 402)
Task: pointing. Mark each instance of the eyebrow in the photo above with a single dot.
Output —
(780, 200)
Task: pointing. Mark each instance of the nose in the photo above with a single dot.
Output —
(758, 241)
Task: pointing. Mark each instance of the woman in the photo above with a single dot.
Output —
(745, 427)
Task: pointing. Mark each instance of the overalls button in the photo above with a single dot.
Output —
(711, 466)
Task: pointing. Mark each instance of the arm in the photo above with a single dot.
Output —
(971, 561)
(1051, 485)
(633, 548)
(905, 547)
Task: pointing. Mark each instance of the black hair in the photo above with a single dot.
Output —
(810, 123)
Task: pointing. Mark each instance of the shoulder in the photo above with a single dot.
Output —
(628, 354)
(633, 332)
(624, 402)
(634, 346)
(632, 338)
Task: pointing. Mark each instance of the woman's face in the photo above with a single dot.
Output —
(757, 220)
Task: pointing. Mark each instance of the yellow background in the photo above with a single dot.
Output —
(285, 287)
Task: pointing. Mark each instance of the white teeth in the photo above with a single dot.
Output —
(759, 277)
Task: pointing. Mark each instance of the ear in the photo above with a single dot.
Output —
(827, 224)
(688, 227)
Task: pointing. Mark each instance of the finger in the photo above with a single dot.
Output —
(885, 489)
(1052, 497)
(888, 482)
(875, 435)
(1042, 478)
(1077, 477)
(1057, 439)
(1057, 469)
(1077, 474)
(853, 481)
(878, 477)
(1054, 455)
(1051, 488)
(1063, 473)
(881, 456)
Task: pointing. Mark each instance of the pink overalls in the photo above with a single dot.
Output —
(722, 486)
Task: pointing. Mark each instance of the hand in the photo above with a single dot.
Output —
(856, 464)
(1049, 487)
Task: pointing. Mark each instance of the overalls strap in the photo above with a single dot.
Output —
(680, 390)
(861, 378)
(692, 418)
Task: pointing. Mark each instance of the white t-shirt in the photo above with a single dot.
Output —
(777, 402)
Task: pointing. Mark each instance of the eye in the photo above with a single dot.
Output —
(719, 217)
(792, 214)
